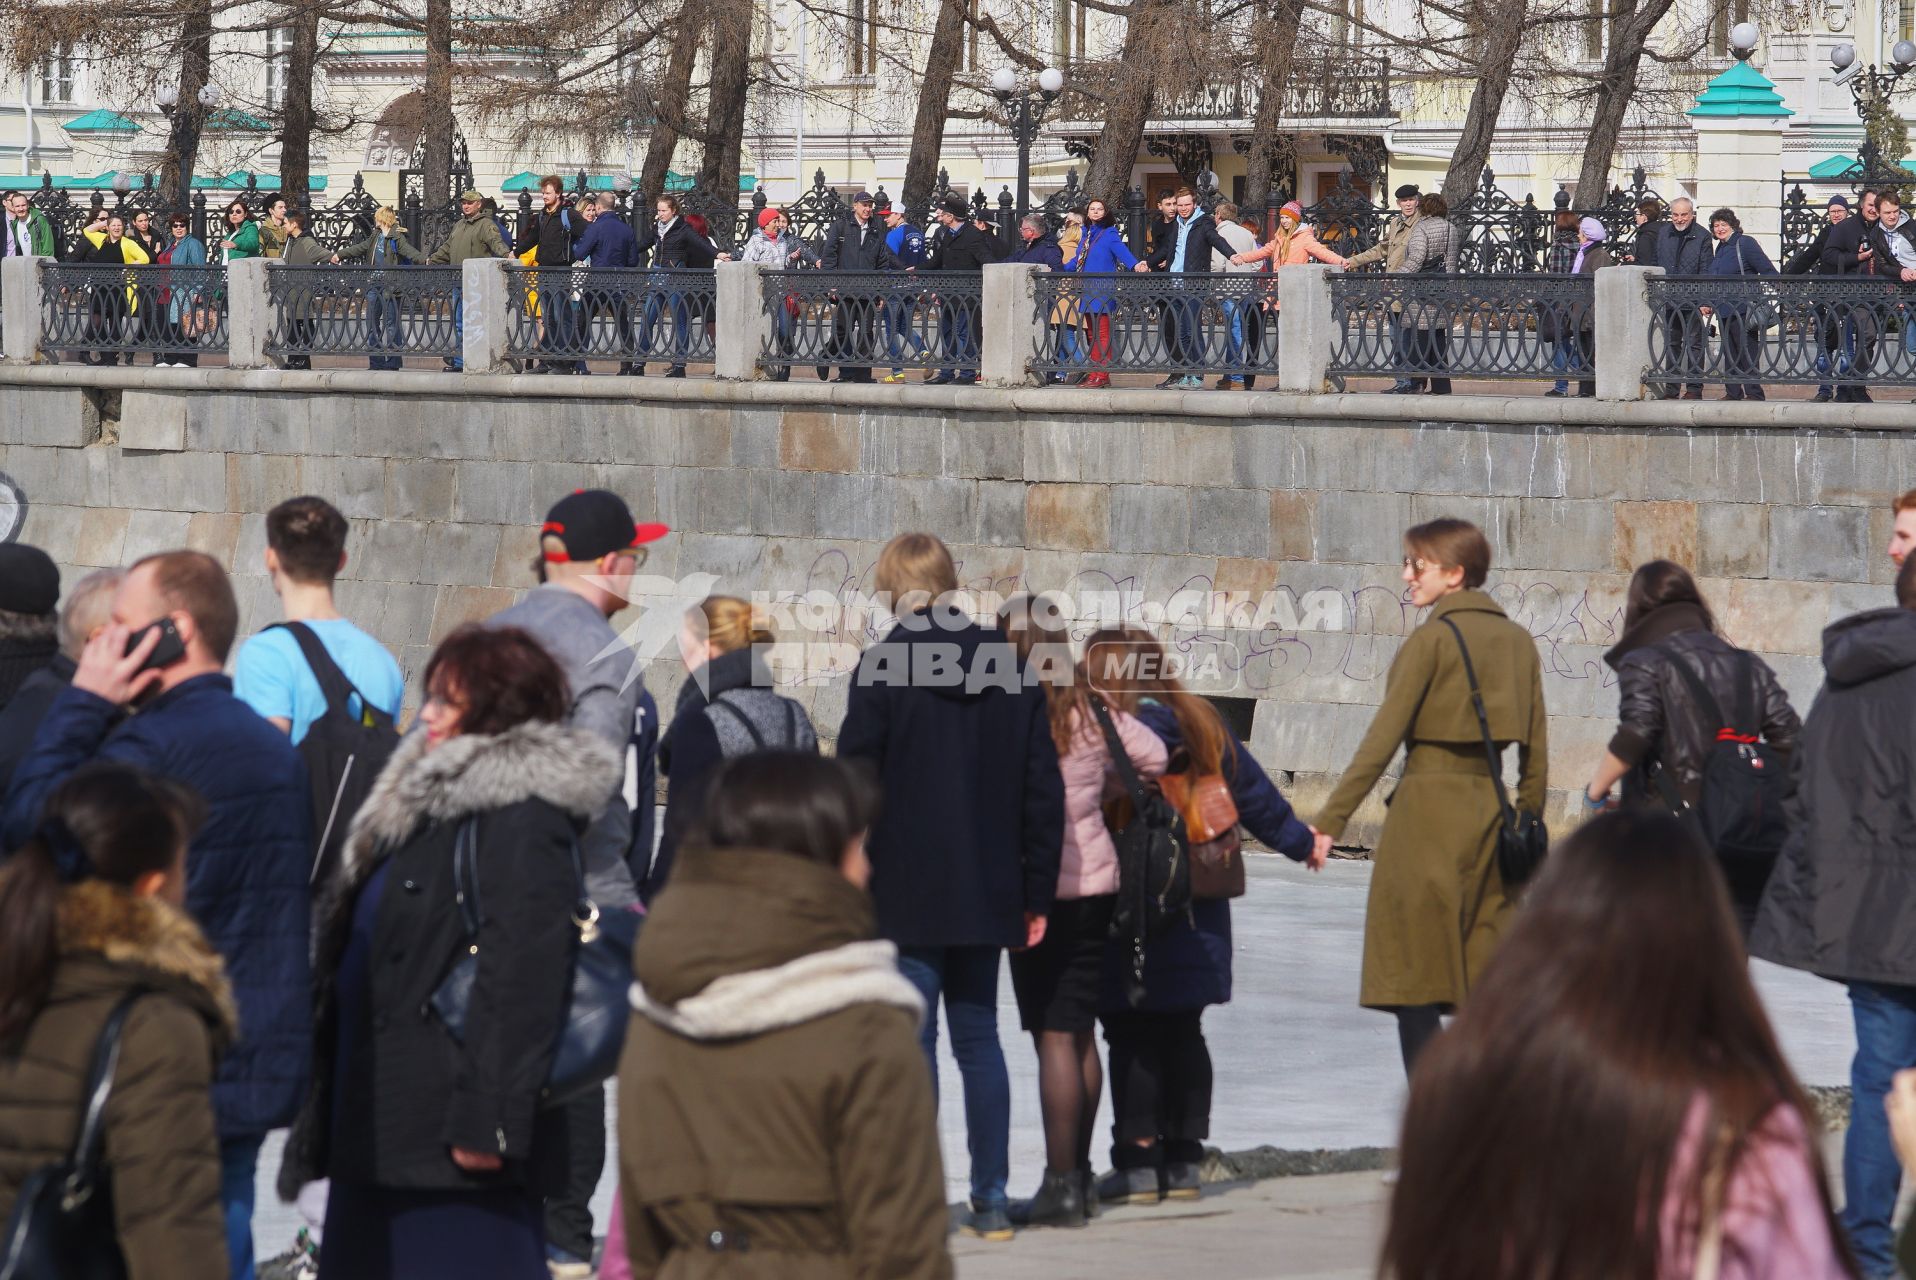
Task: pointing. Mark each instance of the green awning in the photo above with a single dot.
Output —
(230, 182)
(102, 121)
(1742, 92)
(674, 181)
(228, 120)
(1836, 168)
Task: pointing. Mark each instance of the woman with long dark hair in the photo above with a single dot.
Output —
(1438, 902)
(1160, 1063)
(1057, 981)
(439, 1149)
(1101, 249)
(91, 916)
(1664, 735)
(1612, 1103)
(241, 235)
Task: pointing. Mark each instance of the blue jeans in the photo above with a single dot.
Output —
(1234, 323)
(1566, 356)
(1872, 1178)
(458, 329)
(655, 303)
(957, 329)
(239, 1174)
(900, 336)
(968, 978)
(382, 330)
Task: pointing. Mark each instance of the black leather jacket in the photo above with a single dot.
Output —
(1659, 721)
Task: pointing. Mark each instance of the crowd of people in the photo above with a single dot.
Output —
(278, 911)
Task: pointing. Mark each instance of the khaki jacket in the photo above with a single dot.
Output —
(1390, 247)
(1437, 906)
(775, 1115)
(474, 237)
(162, 1149)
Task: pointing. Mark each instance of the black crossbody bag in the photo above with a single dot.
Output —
(1522, 839)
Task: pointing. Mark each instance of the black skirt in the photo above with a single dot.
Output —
(1057, 980)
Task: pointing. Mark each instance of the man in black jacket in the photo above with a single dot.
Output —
(1683, 249)
(959, 246)
(966, 848)
(856, 244)
(87, 608)
(1842, 900)
(552, 230)
(673, 244)
(1833, 325)
(1187, 246)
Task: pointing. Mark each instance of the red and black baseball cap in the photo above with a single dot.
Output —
(590, 523)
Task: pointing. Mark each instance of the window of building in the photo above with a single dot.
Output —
(1070, 26)
(1905, 19)
(861, 44)
(56, 76)
(279, 61)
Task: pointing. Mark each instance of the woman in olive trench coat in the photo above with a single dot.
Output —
(1437, 904)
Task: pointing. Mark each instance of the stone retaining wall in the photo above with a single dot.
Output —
(785, 491)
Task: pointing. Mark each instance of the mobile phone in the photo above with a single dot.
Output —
(168, 651)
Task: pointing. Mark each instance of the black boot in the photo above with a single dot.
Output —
(1093, 1206)
(1059, 1203)
(1181, 1179)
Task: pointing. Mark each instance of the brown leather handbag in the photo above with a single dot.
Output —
(1210, 821)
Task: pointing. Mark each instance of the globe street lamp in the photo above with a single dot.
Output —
(1024, 112)
(1870, 88)
(1743, 39)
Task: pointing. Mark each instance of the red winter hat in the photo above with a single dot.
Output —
(766, 217)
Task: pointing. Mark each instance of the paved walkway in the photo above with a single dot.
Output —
(1298, 1065)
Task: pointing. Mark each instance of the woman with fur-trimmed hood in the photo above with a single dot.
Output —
(91, 918)
(776, 1119)
(438, 1151)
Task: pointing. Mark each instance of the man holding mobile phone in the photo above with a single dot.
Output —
(173, 622)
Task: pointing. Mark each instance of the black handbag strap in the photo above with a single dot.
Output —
(1120, 758)
(89, 1143)
(465, 875)
(1491, 754)
(333, 683)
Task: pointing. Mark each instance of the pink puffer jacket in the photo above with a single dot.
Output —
(1090, 863)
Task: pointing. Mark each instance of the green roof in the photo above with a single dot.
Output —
(529, 181)
(102, 121)
(1742, 92)
(229, 182)
(237, 121)
(1836, 168)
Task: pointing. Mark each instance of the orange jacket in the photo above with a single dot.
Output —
(1293, 250)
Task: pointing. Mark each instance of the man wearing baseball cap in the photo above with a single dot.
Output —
(589, 548)
(856, 244)
(29, 621)
(906, 244)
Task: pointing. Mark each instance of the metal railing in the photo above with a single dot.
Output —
(571, 314)
(1745, 331)
(106, 311)
(383, 313)
(873, 320)
(1467, 326)
(1178, 324)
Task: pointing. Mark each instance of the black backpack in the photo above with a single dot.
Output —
(1739, 809)
(1154, 864)
(343, 753)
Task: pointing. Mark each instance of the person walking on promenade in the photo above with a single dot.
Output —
(248, 869)
(776, 249)
(966, 848)
(1842, 900)
(775, 1119)
(384, 248)
(1612, 1101)
(1835, 332)
(475, 235)
(959, 246)
(550, 234)
(1101, 250)
(1742, 316)
(1683, 249)
(87, 608)
(906, 245)
(1431, 250)
(1438, 903)
(1187, 247)
(1389, 251)
(1057, 980)
(1677, 679)
(1161, 1076)
(728, 707)
(438, 1149)
(93, 929)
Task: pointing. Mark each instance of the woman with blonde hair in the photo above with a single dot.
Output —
(387, 246)
(1438, 902)
(727, 707)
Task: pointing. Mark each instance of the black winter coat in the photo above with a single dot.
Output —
(1842, 900)
(972, 824)
(1683, 253)
(415, 1092)
(680, 246)
(1839, 250)
(966, 249)
(553, 234)
(1201, 240)
(846, 250)
(20, 719)
(1809, 259)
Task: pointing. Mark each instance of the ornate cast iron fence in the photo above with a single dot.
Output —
(385, 313)
(572, 314)
(1466, 326)
(1182, 325)
(106, 312)
(863, 320)
(1854, 332)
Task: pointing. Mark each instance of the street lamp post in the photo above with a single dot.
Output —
(1024, 112)
(1870, 87)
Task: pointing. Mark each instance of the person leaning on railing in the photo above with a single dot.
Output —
(1740, 313)
(1892, 243)
(475, 235)
(386, 246)
(1836, 329)
(114, 310)
(1431, 250)
(1101, 249)
(1293, 245)
(183, 294)
(1389, 250)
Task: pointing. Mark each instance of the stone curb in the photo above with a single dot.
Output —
(1040, 401)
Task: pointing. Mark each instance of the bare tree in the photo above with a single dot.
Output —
(297, 116)
(668, 114)
(934, 102)
(725, 96)
(189, 113)
(1498, 30)
(438, 126)
(1127, 98)
(1274, 43)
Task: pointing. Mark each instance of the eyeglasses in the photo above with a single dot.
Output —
(1417, 564)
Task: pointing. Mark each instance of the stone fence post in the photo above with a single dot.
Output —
(1010, 324)
(744, 325)
(1622, 330)
(1306, 325)
(249, 313)
(20, 309)
(483, 315)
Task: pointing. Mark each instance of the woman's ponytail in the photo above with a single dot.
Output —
(29, 945)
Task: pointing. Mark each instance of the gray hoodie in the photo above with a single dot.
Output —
(776, 255)
(605, 689)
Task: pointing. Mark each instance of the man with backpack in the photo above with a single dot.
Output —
(1842, 901)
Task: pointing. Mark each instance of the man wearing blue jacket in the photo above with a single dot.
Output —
(610, 244)
(906, 244)
(247, 869)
